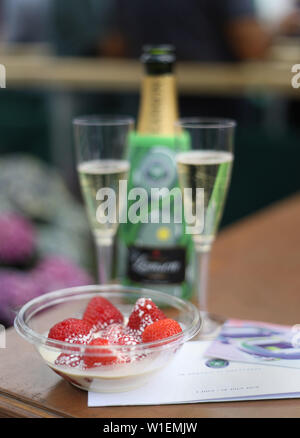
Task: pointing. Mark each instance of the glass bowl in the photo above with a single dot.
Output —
(36, 317)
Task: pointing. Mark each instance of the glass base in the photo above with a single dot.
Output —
(211, 326)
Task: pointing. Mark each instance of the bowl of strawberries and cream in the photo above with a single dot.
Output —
(107, 338)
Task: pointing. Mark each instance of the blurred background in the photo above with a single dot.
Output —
(65, 58)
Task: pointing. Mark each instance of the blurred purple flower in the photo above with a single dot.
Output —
(56, 272)
(16, 288)
(17, 238)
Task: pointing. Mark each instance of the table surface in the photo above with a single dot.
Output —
(27, 70)
(254, 275)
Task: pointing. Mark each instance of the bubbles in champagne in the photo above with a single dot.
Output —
(95, 175)
(211, 171)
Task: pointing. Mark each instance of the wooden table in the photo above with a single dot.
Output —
(255, 274)
(51, 73)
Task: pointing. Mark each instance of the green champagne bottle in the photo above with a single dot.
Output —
(156, 255)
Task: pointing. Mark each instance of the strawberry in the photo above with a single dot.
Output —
(120, 335)
(144, 313)
(68, 360)
(100, 313)
(113, 333)
(160, 330)
(128, 339)
(75, 331)
(102, 356)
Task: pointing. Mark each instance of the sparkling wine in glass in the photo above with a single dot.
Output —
(97, 174)
(102, 163)
(208, 166)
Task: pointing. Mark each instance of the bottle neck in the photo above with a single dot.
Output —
(158, 108)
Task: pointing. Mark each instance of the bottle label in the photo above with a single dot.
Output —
(156, 266)
(157, 169)
(158, 110)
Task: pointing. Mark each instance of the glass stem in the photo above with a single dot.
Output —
(104, 260)
(203, 259)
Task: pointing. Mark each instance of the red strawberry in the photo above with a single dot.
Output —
(102, 356)
(68, 360)
(117, 334)
(160, 330)
(113, 333)
(145, 312)
(128, 339)
(100, 313)
(75, 331)
(120, 335)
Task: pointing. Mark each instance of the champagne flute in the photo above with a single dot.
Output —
(207, 165)
(102, 162)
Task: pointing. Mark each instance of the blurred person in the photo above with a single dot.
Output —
(80, 26)
(26, 21)
(202, 30)
(281, 16)
(273, 12)
(1, 19)
(74, 27)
